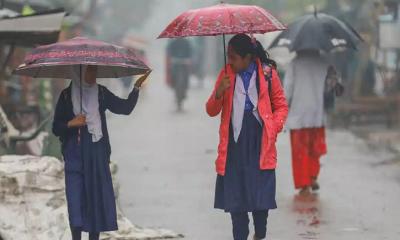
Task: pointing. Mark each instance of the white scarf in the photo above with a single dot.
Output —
(90, 103)
(239, 101)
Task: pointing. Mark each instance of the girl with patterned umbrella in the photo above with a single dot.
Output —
(80, 123)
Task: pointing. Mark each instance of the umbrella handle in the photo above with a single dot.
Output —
(80, 89)
(80, 85)
(223, 39)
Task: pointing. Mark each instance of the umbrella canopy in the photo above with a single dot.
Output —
(317, 31)
(59, 59)
(222, 19)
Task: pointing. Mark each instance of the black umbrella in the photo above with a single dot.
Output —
(317, 31)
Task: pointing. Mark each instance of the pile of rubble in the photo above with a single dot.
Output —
(33, 205)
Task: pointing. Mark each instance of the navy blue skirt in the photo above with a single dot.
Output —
(88, 185)
(245, 187)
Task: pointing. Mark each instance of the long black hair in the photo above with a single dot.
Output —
(243, 45)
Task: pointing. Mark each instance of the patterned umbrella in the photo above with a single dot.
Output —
(222, 19)
(59, 60)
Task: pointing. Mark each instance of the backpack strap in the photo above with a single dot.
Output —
(268, 77)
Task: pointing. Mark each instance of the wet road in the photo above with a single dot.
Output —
(166, 171)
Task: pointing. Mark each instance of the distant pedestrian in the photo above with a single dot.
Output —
(310, 85)
(179, 65)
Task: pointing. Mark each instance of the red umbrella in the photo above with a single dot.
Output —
(222, 19)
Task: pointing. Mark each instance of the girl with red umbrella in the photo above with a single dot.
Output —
(252, 115)
(253, 108)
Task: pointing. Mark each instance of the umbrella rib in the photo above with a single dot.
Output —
(230, 17)
(275, 22)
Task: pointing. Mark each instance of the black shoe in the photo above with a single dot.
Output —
(255, 238)
(315, 186)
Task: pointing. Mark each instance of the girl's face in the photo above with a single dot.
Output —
(237, 62)
(90, 75)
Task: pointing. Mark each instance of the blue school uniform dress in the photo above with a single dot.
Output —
(245, 187)
(89, 190)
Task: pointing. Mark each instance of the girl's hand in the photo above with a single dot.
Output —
(78, 121)
(225, 84)
(331, 78)
(141, 80)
